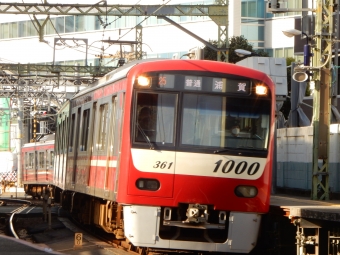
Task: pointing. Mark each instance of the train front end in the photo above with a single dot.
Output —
(200, 156)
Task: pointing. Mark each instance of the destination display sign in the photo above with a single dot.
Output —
(203, 83)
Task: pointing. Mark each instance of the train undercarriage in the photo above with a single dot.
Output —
(39, 190)
(187, 222)
(188, 227)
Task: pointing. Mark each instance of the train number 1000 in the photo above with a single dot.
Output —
(240, 168)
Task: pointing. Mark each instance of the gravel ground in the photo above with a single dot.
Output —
(27, 227)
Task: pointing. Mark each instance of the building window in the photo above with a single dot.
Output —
(90, 22)
(4, 31)
(22, 29)
(69, 24)
(13, 30)
(31, 29)
(253, 8)
(284, 52)
(253, 32)
(50, 26)
(79, 23)
(59, 25)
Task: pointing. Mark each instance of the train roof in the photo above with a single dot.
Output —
(117, 74)
(47, 139)
(123, 71)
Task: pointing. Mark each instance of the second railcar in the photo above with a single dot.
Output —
(37, 166)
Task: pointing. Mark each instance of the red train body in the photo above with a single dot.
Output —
(171, 154)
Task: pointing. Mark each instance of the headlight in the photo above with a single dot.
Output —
(246, 191)
(261, 90)
(143, 81)
(147, 184)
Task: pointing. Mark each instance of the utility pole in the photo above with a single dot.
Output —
(19, 141)
(322, 98)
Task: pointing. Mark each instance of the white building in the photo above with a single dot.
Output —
(19, 41)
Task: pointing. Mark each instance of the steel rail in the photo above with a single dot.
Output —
(26, 203)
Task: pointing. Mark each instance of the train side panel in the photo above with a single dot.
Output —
(95, 137)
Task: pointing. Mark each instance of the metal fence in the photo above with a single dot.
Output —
(8, 176)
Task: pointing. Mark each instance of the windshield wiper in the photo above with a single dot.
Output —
(221, 151)
(146, 138)
(250, 148)
(239, 147)
(257, 136)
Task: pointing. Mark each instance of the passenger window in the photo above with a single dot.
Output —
(73, 123)
(27, 160)
(85, 130)
(52, 159)
(30, 160)
(41, 159)
(102, 130)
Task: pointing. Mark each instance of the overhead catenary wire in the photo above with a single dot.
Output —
(90, 47)
(144, 19)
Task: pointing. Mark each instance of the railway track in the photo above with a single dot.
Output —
(9, 208)
(21, 215)
(127, 247)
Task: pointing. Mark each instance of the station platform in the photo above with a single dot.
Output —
(13, 192)
(302, 207)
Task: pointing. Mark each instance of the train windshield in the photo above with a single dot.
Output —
(225, 122)
(202, 121)
(155, 118)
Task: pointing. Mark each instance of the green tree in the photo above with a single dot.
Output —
(235, 42)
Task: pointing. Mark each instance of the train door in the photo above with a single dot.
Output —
(64, 148)
(60, 143)
(35, 162)
(56, 149)
(73, 147)
(29, 166)
(49, 165)
(101, 151)
(83, 159)
(25, 166)
(115, 142)
(41, 166)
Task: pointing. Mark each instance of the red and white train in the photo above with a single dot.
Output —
(38, 165)
(169, 154)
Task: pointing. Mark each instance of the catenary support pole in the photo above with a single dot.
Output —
(321, 99)
(19, 140)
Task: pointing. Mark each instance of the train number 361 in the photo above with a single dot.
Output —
(240, 168)
(162, 165)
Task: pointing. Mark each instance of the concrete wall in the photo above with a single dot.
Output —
(294, 158)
